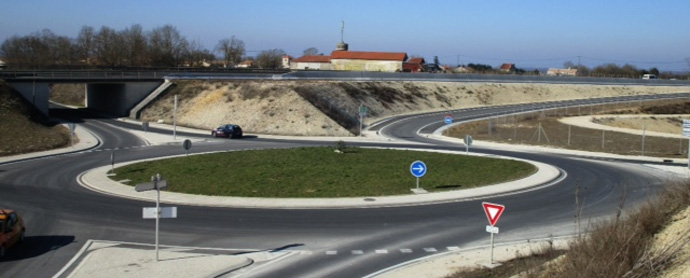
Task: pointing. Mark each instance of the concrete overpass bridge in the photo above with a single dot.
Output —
(115, 92)
(124, 93)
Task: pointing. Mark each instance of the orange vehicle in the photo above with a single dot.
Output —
(11, 230)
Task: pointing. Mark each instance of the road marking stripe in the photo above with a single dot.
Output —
(453, 248)
(430, 250)
(383, 251)
(331, 252)
(406, 250)
(357, 252)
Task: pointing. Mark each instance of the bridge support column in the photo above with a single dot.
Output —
(36, 93)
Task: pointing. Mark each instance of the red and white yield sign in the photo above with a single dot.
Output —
(493, 212)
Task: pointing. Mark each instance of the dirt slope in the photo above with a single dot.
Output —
(330, 108)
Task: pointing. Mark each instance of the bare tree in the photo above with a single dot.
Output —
(310, 51)
(197, 54)
(109, 47)
(270, 59)
(232, 50)
(136, 53)
(85, 44)
(167, 46)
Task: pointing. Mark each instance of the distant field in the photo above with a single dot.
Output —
(321, 172)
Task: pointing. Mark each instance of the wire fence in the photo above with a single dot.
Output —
(543, 128)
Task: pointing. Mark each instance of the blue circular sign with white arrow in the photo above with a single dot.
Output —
(418, 169)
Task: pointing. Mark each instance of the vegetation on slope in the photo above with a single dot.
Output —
(23, 129)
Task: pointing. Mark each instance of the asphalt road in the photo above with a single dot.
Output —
(61, 215)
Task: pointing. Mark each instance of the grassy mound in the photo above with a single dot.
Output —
(322, 172)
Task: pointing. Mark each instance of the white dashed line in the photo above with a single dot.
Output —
(331, 252)
(382, 251)
(453, 248)
(430, 250)
(357, 252)
(406, 250)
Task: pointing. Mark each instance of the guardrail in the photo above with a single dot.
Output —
(97, 74)
(279, 74)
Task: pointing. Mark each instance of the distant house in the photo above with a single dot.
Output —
(561, 72)
(367, 61)
(286, 61)
(246, 64)
(414, 65)
(311, 62)
(507, 67)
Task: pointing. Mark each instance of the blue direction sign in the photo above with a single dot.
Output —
(418, 169)
(448, 119)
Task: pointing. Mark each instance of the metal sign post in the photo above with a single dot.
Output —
(686, 133)
(175, 120)
(363, 110)
(418, 170)
(72, 128)
(493, 212)
(468, 143)
(157, 183)
(187, 144)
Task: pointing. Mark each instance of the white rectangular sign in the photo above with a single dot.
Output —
(166, 212)
(491, 229)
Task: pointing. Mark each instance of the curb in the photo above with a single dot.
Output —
(97, 180)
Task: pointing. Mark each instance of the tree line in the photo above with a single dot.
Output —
(131, 47)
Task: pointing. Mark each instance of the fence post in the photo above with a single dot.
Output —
(644, 131)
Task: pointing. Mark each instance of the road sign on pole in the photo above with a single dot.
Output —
(418, 170)
(187, 144)
(493, 212)
(468, 143)
(164, 212)
(157, 183)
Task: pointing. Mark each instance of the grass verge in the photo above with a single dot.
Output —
(322, 172)
(616, 248)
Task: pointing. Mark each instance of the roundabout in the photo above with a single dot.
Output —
(309, 239)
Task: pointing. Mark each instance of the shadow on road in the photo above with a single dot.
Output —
(34, 246)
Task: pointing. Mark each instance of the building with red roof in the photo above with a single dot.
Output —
(311, 62)
(415, 64)
(367, 61)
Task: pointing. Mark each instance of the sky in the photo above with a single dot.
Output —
(529, 33)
